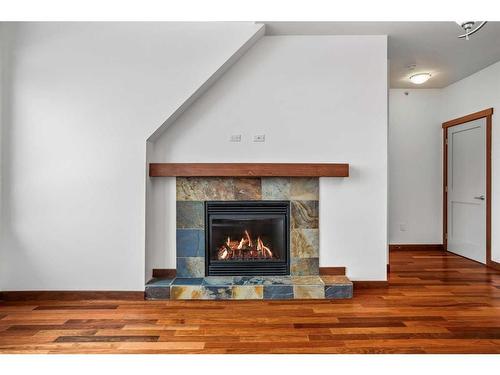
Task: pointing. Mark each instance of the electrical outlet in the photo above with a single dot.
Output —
(259, 138)
(235, 138)
(402, 227)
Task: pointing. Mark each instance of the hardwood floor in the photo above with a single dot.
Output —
(436, 302)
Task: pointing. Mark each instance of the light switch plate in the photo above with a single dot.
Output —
(235, 138)
(259, 138)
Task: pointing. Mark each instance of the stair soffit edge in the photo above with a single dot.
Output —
(247, 45)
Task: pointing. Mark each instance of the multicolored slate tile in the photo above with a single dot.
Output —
(304, 266)
(307, 280)
(248, 291)
(336, 279)
(187, 292)
(190, 214)
(158, 288)
(337, 287)
(305, 214)
(247, 189)
(278, 292)
(155, 282)
(305, 243)
(309, 291)
(250, 287)
(275, 188)
(188, 281)
(157, 292)
(338, 291)
(262, 280)
(190, 243)
(218, 280)
(204, 188)
(218, 292)
(304, 188)
(191, 267)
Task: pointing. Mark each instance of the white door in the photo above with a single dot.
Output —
(467, 190)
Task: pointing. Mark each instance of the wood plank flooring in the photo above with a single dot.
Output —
(436, 302)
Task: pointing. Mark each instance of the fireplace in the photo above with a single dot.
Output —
(247, 238)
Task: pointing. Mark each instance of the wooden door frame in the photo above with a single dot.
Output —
(487, 113)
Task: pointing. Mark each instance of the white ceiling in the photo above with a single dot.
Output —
(432, 46)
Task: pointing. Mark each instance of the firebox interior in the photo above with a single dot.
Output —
(247, 237)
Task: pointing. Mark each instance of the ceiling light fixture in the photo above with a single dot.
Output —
(469, 29)
(420, 78)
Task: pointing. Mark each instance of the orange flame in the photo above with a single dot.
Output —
(244, 249)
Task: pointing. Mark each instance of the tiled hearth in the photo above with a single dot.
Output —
(304, 280)
(251, 287)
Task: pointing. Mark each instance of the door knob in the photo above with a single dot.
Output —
(481, 197)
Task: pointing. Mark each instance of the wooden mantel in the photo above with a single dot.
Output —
(248, 169)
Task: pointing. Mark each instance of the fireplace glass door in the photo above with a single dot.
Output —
(247, 238)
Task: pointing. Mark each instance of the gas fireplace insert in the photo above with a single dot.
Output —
(247, 237)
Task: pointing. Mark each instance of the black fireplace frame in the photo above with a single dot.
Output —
(254, 267)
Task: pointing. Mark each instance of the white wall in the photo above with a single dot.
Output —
(415, 166)
(317, 99)
(475, 93)
(82, 100)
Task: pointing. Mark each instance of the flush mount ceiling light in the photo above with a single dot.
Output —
(469, 29)
(420, 78)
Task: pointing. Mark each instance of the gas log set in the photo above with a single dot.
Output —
(247, 238)
(244, 249)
